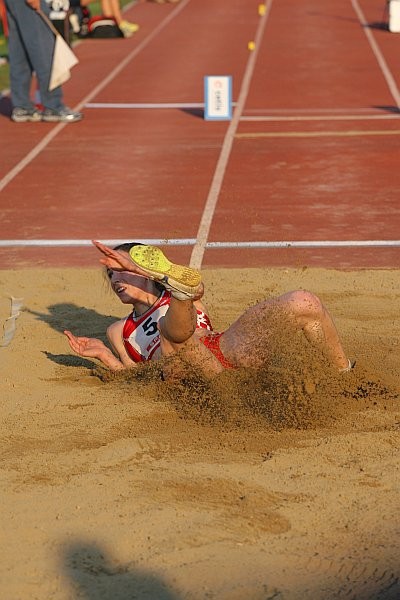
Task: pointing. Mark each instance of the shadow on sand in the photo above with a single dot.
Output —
(95, 576)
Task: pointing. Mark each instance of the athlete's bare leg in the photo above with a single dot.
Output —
(258, 334)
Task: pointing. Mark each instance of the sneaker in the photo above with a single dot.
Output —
(65, 115)
(184, 283)
(128, 29)
(23, 115)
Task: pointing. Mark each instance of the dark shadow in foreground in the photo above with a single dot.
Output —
(96, 576)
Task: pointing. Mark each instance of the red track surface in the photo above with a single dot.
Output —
(297, 172)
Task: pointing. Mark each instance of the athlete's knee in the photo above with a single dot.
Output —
(306, 304)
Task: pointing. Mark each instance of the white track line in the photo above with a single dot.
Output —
(378, 54)
(253, 118)
(147, 105)
(133, 54)
(321, 118)
(31, 155)
(308, 244)
(80, 243)
(315, 134)
(210, 245)
(319, 111)
(52, 134)
(212, 199)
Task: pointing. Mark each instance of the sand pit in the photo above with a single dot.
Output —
(115, 489)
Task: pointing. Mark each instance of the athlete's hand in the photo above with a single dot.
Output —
(118, 260)
(114, 259)
(94, 348)
(87, 347)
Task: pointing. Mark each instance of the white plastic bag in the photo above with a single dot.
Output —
(63, 61)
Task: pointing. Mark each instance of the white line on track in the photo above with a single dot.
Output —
(209, 210)
(320, 118)
(212, 199)
(255, 118)
(378, 54)
(60, 126)
(308, 244)
(147, 105)
(209, 245)
(31, 155)
(200, 244)
(320, 111)
(81, 243)
(314, 134)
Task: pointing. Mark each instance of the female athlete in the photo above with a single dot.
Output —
(170, 321)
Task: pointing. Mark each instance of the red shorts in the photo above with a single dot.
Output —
(211, 341)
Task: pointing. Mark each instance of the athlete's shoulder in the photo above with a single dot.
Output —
(116, 327)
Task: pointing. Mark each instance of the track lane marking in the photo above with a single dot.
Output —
(309, 134)
(98, 88)
(319, 118)
(216, 184)
(394, 90)
(208, 245)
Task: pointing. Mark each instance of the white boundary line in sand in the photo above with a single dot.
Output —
(52, 134)
(212, 199)
(208, 245)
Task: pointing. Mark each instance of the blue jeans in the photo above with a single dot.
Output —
(30, 49)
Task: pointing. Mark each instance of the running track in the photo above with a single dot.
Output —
(307, 172)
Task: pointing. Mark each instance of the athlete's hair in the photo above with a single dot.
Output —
(125, 247)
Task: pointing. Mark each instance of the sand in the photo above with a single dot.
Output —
(127, 489)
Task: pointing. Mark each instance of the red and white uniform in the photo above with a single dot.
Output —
(140, 334)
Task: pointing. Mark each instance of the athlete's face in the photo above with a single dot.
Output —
(129, 287)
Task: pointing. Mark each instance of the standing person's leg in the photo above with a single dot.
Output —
(20, 66)
(38, 41)
(260, 332)
(43, 50)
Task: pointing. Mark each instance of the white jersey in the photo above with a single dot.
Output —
(140, 334)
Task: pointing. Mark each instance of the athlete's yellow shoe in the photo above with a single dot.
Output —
(184, 283)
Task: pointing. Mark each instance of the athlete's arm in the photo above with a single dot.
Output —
(115, 337)
(94, 348)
